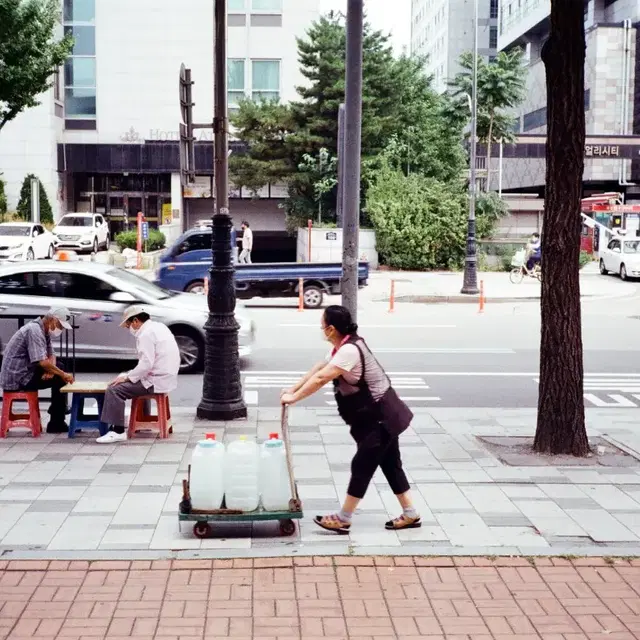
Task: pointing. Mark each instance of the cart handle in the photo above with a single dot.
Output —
(284, 422)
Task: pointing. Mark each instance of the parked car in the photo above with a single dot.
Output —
(97, 294)
(25, 241)
(621, 256)
(82, 232)
(184, 267)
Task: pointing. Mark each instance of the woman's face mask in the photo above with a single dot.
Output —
(56, 333)
(133, 331)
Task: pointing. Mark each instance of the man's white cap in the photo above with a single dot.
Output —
(131, 312)
(62, 315)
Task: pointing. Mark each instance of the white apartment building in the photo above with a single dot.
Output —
(442, 30)
(105, 137)
(611, 83)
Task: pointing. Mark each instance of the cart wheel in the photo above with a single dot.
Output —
(201, 529)
(287, 527)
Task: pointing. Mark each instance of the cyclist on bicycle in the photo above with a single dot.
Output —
(534, 252)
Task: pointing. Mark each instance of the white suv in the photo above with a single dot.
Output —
(82, 232)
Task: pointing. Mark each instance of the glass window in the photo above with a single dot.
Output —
(80, 102)
(493, 9)
(84, 40)
(235, 81)
(493, 37)
(14, 230)
(79, 10)
(237, 5)
(80, 72)
(195, 242)
(75, 221)
(274, 6)
(56, 85)
(265, 78)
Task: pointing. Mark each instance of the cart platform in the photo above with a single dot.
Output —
(204, 519)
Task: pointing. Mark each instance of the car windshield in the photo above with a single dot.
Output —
(141, 284)
(632, 246)
(15, 230)
(75, 221)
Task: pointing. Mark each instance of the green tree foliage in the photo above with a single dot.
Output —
(421, 222)
(398, 105)
(24, 204)
(3, 200)
(501, 88)
(29, 53)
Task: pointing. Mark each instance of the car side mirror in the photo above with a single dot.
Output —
(122, 296)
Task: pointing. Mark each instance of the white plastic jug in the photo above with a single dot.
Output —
(241, 475)
(206, 484)
(274, 476)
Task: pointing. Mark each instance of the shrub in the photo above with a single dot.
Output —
(421, 223)
(24, 205)
(3, 200)
(129, 240)
(585, 258)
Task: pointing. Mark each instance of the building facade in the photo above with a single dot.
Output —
(105, 136)
(442, 30)
(612, 87)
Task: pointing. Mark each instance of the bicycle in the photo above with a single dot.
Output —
(517, 274)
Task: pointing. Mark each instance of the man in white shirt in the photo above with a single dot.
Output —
(247, 244)
(156, 371)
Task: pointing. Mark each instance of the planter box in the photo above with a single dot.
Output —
(326, 246)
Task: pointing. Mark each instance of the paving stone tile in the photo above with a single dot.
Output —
(140, 508)
(602, 526)
(34, 529)
(444, 497)
(45, 506)
(610, 498)
(81, 533)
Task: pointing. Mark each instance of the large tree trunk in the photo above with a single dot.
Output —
(561, 423)
(488, 161)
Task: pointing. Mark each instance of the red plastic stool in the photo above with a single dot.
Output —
(30, 420)
(142, 421)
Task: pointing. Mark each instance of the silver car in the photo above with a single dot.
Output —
(97, 294)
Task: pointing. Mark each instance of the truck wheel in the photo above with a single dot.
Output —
(196, 287)
(312, 297)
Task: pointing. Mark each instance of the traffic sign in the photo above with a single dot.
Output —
(145, 230)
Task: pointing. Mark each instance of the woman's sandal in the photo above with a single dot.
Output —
(403, 522)
(333, 523)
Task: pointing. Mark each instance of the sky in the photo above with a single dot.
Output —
(392, 16)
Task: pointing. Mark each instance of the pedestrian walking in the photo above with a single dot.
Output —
(29, 363)
(371, 408)
(156, 371)
(247, 243)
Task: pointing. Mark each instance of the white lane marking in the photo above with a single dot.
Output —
(374, 326)
(464, 374)
(616, 400)
(449, 351)
(250, 397)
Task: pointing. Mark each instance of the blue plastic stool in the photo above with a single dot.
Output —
(81, 421)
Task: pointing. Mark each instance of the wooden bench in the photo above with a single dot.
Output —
(85, 391)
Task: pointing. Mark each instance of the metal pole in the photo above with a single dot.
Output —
(353, 132)
(340, 198)
(222, 397)
(35, 200)
(470, 281)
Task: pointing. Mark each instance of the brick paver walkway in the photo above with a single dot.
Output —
(308, 598)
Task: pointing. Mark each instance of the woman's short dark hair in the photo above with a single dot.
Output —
(340, 319)
(245, 223)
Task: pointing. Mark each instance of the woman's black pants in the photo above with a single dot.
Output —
(376, 448)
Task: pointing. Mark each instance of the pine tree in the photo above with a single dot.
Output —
(24, 204)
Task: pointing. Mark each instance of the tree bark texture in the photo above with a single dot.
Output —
(561, 422)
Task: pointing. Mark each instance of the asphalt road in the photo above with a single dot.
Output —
(437, 355)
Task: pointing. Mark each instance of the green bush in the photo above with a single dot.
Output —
(24, 205)
(129, 240)
(421, 223)
(585, 258)
(3, 200)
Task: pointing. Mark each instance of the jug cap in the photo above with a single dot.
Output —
(242, 438)
(273, 436)
(210, 436)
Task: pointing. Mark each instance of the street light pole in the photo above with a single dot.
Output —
(222, 397)
(351, 170)
(470, 281)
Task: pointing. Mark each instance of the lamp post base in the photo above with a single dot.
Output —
(223, 411)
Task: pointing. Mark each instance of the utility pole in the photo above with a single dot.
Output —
(222, 397)
(340, 199)
(353, 134)
(470, 281)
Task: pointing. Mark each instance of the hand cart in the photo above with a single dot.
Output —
(205, 519)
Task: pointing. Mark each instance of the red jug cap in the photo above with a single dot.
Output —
(273, 436)
(210, 436)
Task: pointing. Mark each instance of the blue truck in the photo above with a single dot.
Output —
(184, 267)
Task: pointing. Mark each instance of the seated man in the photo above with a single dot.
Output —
(156, 371)
(29, 364)
(534, 251)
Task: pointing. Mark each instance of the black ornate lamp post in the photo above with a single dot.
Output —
(222, 397)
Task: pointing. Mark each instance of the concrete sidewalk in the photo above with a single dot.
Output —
(434, 287)
(478, 491)
(308, 598)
